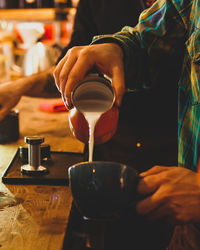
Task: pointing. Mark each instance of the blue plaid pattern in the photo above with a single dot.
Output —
(171, 27)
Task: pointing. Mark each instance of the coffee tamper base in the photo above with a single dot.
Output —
(27, 169)
(34, 156)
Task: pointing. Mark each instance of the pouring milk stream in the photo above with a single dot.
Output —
(93, 97)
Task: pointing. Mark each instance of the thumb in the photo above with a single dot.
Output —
(118, 83)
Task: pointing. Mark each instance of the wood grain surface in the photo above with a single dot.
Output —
(35, 217)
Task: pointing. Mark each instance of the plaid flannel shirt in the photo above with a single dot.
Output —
(167, 32)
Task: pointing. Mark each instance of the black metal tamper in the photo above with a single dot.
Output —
(34, 156)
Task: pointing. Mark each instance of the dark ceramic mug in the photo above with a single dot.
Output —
(102, 190)
(9, 127)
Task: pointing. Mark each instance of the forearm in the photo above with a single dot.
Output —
(37, 85)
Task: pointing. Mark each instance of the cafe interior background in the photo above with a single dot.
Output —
(32, 31)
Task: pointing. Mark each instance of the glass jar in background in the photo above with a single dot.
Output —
(28, 4)
(60, 4)
(5, 62)
(6, 50)
(36, 4)
(45, 4)
(9, 4)
(74, 3)
(60, 9)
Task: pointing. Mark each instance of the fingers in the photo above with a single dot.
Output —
(156, 207)
(56, 72)
(71, 69)
(3, 113)
(148, 205)
(118, 84)
(156, 183)
(153, 178)
(148, 185)
(63, 68)
(161, 211)
(155, 170)
(77, 73)
(79, 60)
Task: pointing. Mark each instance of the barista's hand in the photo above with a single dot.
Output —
(174, 193)
(107, 58)
(9, 97)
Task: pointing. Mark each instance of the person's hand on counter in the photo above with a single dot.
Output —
(172, 193)
(107, 58)
(37, 85)
(9, 97)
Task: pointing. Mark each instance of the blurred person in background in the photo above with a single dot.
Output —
(92, 18)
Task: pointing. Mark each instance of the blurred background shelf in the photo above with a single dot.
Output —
(28, 33)
(43, 14)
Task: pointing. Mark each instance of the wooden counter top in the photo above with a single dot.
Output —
(53, 127)
(35, 217)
